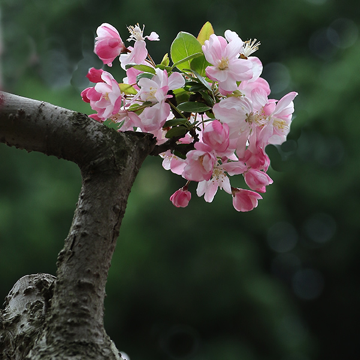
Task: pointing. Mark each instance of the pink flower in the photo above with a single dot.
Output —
(173, 163)
(234, 167)
(108, 44)
(280, 119)
(209, 188)
(257, 90)
(138, 53)
(181, 197)
(234, 111)
(227, 68)
(216, 135)
(105, 97)
(137, 34)
(155, 90)
(84, 95)
(94, 75)
(199, 163)
(257, 180)
(154, 117)
(245, 200)
(257, 159)
(129, 119)
(131, 75)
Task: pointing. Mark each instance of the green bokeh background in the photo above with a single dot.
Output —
(205, 282)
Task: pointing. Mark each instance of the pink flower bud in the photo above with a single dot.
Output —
(108, 44)
(84, 95)
(257, 160)
(94, 75)
(181, 198)
(216, 135)
(245, 200)
(257, 180)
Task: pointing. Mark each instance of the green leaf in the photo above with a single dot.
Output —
(165, 61)
(205, 33)
(199, 65)
(174, 122)
(163, 67)
(136, 108)
(180, 155)
(144, 75)
(182, 47)
(208, 99)
(193, 106)
(176, 131)
(144, 68)
(197, 87)
(201, 79)
(181, 95)
(191, 57)
(210, 114)
(127, 89)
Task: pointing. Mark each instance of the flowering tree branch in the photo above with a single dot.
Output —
(209, 110)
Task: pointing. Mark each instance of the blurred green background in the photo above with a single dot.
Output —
(205, 282)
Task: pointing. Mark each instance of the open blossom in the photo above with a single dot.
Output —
(105, 97)
(129, 120)
(108, 44)
(181, 197)
(173, 163)
(245, 200)
(154, 117)
(280, 116)
(199, 163)
(138, 53)
(137, 34)
(234, 111)
(156, 90)
(209, 188)
(254, 120)
(227, 68)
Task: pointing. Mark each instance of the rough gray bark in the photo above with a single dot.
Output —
(62, 317)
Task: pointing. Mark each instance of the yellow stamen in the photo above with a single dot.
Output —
(281, 124)
(224, 64)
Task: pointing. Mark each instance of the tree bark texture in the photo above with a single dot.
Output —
(62, 318)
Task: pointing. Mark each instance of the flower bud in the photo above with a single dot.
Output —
(181, 198)
(245, 200)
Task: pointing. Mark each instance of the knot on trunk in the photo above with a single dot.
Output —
(23, 316)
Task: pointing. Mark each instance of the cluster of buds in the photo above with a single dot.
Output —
(209, 110)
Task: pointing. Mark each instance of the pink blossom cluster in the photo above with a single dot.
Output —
(228, 140)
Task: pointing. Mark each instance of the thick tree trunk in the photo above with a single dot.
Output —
(62, 317)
